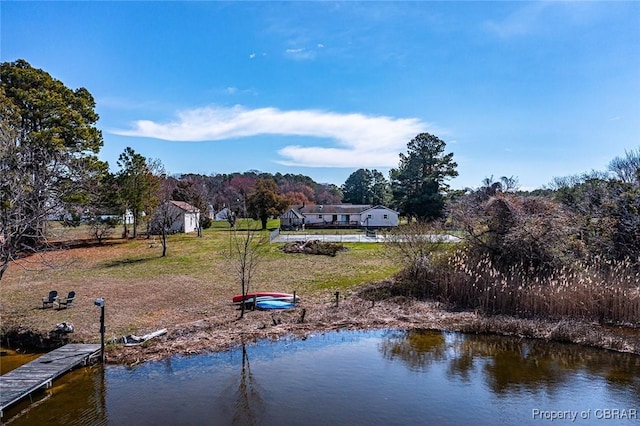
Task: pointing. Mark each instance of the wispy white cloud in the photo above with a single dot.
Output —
(356, 140)
(301, 54)
(233, 91)
(252, 56)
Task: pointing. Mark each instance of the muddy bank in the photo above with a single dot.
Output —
(356, 313)
(26, 340)
(224, 330)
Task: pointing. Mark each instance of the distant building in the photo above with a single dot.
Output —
(338, 216)
(127, 217)
(223, 215)
(187, 217)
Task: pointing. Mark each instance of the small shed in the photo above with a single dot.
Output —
(187, 217)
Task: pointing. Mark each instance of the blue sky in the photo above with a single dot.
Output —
(534, 90)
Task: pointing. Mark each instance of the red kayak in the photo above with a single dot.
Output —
(238, 298)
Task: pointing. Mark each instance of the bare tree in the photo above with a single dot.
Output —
(164, 217)
(246, 249)
(414, 244)
(627, 168)
(165, 214)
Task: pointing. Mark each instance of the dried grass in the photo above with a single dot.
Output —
(603, 292)
(145, 292)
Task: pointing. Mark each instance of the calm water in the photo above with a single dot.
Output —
(355, 378)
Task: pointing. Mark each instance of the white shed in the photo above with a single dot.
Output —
(187, 216)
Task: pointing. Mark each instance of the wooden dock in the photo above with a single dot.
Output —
(41, 372)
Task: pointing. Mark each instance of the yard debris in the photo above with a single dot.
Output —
(313, 247)
(133, 340)
(64, 327)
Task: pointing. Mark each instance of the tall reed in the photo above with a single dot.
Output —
(601, 291)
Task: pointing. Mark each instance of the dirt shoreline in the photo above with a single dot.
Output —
(356, 313)
(221, 329)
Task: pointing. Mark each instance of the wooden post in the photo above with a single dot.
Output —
(100, 303)
(294, 297)
(102, 331)
(337, 298)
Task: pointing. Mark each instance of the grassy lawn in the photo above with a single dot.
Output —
(196, 280)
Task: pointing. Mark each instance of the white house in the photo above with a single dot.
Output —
(339, 216)
(187, 217)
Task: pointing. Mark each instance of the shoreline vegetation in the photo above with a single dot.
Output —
(356, 312)
(189, 293)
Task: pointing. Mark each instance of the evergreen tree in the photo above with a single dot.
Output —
(366, 186)
(48, 155)
(419, 182)
(357, 187)
(138, 186)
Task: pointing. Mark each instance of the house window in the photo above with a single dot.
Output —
(386, 216)
(369, 216)
(319, 216)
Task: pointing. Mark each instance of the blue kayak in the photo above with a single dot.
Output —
(274, 304)
(252, 300)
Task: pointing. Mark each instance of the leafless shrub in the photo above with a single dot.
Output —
(414, 245)
(534, 233)
(246, 250)
(101, 228)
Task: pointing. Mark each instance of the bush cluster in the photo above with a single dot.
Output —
(571, 252)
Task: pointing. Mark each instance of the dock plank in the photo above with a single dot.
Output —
(21, 382)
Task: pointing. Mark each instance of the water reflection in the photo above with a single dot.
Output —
(510, 364)
(10, 359)
(75, 399)
(382, 377)
(247, 403)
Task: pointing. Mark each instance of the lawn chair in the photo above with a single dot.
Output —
(65, 302)
(47, 302)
